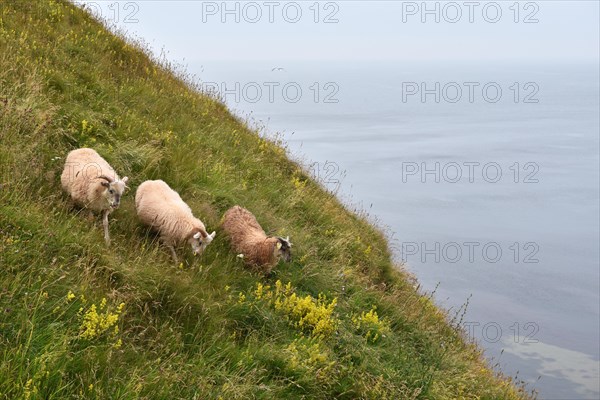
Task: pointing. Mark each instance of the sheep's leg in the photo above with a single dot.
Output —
(105, 223)
(173, 253)
(71, 204)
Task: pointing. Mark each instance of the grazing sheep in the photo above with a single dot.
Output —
(250, 240)
(93, 184)
(161, 208)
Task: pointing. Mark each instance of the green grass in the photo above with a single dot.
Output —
(67, 82)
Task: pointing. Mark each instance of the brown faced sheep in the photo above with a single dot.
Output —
(92, 183)
(250, 240)
(161, 208)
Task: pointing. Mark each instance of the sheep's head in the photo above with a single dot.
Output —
(114, 189)
(199, 243)
(283, 249)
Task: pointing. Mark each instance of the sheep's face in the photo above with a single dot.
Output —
(283, 249)
(199, 243)
(114, 190)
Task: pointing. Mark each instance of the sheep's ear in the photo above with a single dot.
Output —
(197, 235)
(125, 180)
(212, 235)
(105, 184)
(285, 241)
(278, 245)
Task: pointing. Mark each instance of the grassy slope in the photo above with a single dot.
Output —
(66, 82)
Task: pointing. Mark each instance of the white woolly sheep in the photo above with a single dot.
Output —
(250, 240)
(93, 184)
(161, 208)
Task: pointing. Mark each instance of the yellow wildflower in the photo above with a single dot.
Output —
(370, 325)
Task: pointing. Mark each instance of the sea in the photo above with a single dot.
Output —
(485, 177)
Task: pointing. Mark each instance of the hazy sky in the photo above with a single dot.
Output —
(201, 31)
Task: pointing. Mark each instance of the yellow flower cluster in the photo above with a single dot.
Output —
(311, 355)
(56, 11)
(315, 316)
(28, 390)
(298, 184)
(263, 145)
(241, 298)
(86, 128)
(95, 323)
(308, 314)
(262, 291)
(10, 240)
(370, 325)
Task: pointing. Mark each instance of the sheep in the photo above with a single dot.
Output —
(250, 240)
(93, 184)
(162, 209)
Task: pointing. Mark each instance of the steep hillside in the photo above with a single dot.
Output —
(79, 320)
